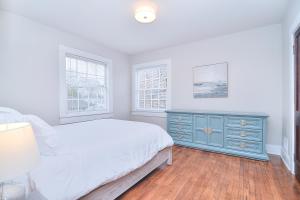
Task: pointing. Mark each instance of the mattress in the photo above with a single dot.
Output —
(93, 153)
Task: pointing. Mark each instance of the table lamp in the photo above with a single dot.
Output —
(18, 155)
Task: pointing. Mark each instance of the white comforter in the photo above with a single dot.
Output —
(94, 153)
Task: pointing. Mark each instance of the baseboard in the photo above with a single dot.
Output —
(277, 150)
(286, 159)
(273, 149)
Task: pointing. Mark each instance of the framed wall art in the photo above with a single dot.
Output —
(211, 81)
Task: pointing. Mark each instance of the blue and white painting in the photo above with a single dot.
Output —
(211, 81)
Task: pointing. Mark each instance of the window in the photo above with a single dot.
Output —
(85, 84)
(151, 88)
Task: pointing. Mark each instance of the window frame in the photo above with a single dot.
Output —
(151, 113)
(66, 117)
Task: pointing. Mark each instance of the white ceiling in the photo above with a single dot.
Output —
(111, 22)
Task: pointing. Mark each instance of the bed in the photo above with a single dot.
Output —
(98, 159)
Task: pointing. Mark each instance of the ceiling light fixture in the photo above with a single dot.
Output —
(145, 14)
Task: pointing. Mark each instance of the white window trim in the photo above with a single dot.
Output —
(82, 116)
(149, 113)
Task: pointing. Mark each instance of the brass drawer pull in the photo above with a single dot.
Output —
(242, 145)
(243, 122)
(207, 130)
(243, 134)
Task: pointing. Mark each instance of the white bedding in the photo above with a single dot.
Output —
(94, 153)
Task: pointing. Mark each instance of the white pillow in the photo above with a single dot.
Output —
(9, 110)
(45, 135)
(11, 118)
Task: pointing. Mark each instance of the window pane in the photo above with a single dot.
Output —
(155, 94)
(141, 104)
(141, 94)
(148, 94)
(100, 70)
(82, 81)
(162, 94)
(72, 93)
(69, 103)
(163, 73)
(82, 67)
(142, 85)
(72, 105)
(155, 83)
(148, 84)
(102, 97)
(92, 81)
(162, 104)
(83, 105)
(100, 81)
(73, 65)
(94, 93)
(94, 104)
(83, 93)
(155, 104)
(71, 78)
(148, 104)
(143, 75)
(155, 73)
(149, 74)
(92, 68)
(68, 64)
(163, 83)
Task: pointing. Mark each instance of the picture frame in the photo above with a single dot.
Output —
(210, 81)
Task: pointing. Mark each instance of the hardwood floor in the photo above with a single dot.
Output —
(204, 175)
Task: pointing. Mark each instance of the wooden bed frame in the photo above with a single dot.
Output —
(115, 188)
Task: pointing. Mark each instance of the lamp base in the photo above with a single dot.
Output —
(12, 191)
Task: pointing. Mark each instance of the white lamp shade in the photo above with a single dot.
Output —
(18, 150)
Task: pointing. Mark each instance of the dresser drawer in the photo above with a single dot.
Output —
(243, 145)
(248, 134)
(244, 122)
(180, 127)
(180, 136)
(180, 118)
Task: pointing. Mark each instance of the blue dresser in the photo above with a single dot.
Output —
(239, 134)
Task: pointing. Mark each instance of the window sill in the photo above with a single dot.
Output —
(150, 114)
(83, 118)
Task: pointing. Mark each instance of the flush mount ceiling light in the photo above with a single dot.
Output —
(145, 14)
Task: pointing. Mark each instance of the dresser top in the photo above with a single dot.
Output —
(215, 112)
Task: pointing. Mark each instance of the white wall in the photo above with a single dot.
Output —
(29, 80)
(255, 67)
(290, 24)
(29, 71)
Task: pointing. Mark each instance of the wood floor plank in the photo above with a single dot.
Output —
(200, 175)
